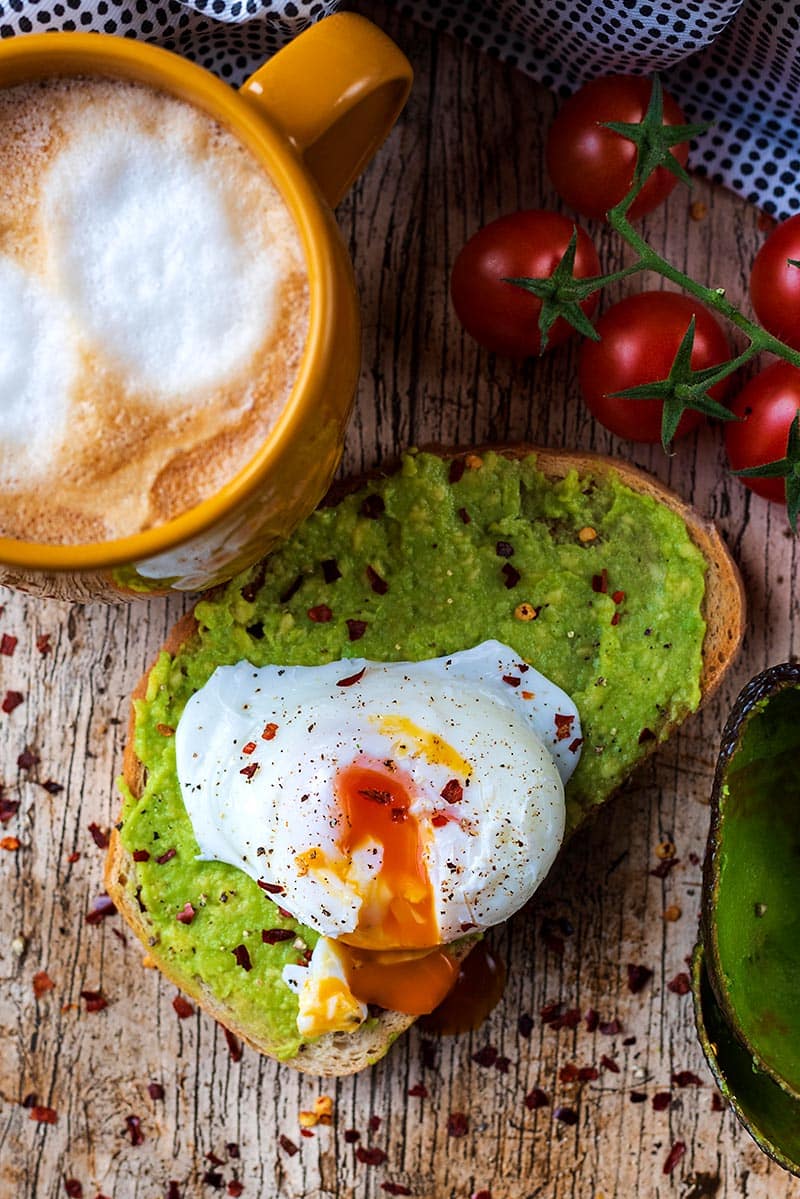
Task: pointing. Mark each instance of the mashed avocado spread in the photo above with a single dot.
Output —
(596, 586)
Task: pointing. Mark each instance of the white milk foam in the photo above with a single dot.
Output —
(153, 307)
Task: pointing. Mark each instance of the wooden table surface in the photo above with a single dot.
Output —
(468, 148)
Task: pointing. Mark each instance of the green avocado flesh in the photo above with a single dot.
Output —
(756, 911)
(443, 549)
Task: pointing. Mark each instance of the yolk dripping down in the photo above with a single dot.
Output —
(393, 958)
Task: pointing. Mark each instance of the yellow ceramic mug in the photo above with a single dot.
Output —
(313, 116)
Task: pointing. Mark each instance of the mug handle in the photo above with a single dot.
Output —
(335, 92)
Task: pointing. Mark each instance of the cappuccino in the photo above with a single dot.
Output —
(153, 307)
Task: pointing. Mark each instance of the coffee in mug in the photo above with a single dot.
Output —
(154, 308)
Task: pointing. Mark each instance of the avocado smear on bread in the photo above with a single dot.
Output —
(598, 587)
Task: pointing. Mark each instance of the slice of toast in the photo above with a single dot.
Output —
(345, 1053)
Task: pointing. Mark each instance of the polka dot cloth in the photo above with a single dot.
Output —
(736, 62)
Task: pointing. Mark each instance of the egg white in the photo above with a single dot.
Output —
(484, 704)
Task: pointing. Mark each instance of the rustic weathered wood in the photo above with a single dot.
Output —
(468, 148)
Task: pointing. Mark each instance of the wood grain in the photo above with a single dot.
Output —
(468, 148)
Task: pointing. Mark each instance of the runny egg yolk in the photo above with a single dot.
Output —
(394, 957)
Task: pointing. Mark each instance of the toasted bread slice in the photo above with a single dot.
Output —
(346, 1053)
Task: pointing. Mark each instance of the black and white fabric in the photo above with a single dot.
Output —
(734, 62)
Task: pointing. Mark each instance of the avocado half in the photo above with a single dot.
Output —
(747, 965)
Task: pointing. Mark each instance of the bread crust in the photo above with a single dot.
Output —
(724, 613)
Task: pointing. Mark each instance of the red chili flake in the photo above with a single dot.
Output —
(235, 1188)
(502, 1064)
(563, 726)
(272, 888)
(638, 977)
(51, 787)
(567, 1115)
(372, 506)
(663, 868)
(249, 748)
(75, 857)
(395, 1188)
(399, 815)
(717, 1102)
(464, 516)
(674, 1156)
(95, 1000)
(370, 1157)
(320, 614)
(438, 821)
(101, 907)
(568, 1073)
(694, 859)
(141, 855)
(418, 1091)
(212, 1178)
(610, 1028)
(330, 570)
(12, 700)
(187, 914)
(685, 1078)
(272, 936)
(457, 468)
(615, 619)
(242, 957)
(504, 549)
(233, 1149)
(282, 912)
(134, 1125)
(457, 1124)
(10, 843)
(167, 856)
(661, 1101)
(591, 1019)
(43, 643)
(374, 1123)
(376, 795)
(629, 1041)
(549, 1012)
(250, 770)
(28, 759)
(487, 1056)
(525, 1025)
(42, 982)
(235, 1052)
(618, 597)
(174, 1191)
(512, 680)
(351, 1135)
(99, 836)
(646, 735)
(155, 1091)
(215, 1161)
(356, 629)
(183, 1008)
(253, 587)
(680, 984)
(378, 585)
(8, 644)
(600, 582)
(269, 731)
(452, 792)
(43, 1115)
(73, 1188)
(351, 679)
(511, 574)
(481, 1195)
(8, 808)
(608, 1063)
(638, 1096)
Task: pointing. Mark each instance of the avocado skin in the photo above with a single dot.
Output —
(746, 982)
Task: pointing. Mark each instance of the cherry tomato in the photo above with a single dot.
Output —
(592, 167)
(775, 286)
(499, 315)
(767, 405)
(640, 338)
